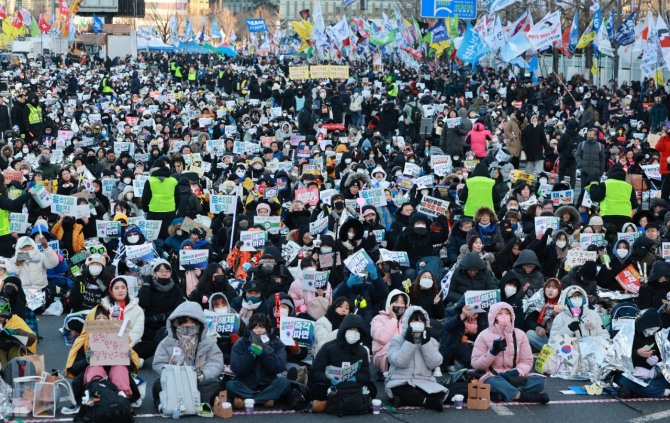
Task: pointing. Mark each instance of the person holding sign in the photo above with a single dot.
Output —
(576, 319)
(6, 206)
(312, 293)
(124, 308)
(413, 356)
(504, 353)
(31, 264)
(385, 326)
(620, 259)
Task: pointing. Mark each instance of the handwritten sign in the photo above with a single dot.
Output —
(272, 224)
(293, 329)
(629, 279)
(313, 280)
(400, 257)
(108, 228)
(542, 223)
(481, 301)
(432, 206)
(109, 349)
(193, 259)
(577, 257)
(562, 197)
(357, 262)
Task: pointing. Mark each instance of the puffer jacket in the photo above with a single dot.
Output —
(418, 246)
(384, 327)
(513, 136)
(573, 278)
(308, 301)
(33, 272)
(209, 356)
(478, 140)
(653, 293)
(535, 278)
(569, 142)
(589, 320)
(647, 320)
(460, 282)
(452, 140)
(590, 158)
(483, 360)
(533, 142)
(135, 316)
(413, 364)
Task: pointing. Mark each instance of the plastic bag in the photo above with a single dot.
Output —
(5, 400)
(55, 309)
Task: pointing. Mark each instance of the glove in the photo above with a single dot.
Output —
(239, 244)
(354, 280)
(409, 335)
(9, 332)
(256, 350)
(498, 346)
(643, 373)
(89, 354)
(200, 377)
(372, 270)
(574, 326)
(549, 231)
(510, 373)
(652, 361)
(425, 338)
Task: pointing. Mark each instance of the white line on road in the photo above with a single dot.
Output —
(651, 417)
(501, 410)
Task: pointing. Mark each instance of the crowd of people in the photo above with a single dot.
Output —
(402, 190)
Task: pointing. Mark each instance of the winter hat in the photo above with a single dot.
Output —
(596, 221)
(96, 258)
(589, 270)
(187, 243)
(263, 206)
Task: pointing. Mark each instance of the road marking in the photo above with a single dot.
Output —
(651, 417)
(501, 410)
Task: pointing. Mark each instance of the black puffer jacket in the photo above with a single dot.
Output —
(416, 245)
(569, 142)
(535, 278)
(461, 282)
(158, 302)
(653, 293)
(647, 320)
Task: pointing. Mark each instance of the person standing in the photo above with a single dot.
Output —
(5, 121)
(590, 157)
(534, 143)
(159, 199)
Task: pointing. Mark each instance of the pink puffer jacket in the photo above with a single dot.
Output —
(478, 137)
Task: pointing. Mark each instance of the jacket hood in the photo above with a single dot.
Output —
(567, 292)
(409, 313)
(356, 225)
(328, 240)
(491, 213)
(188, 309)
(393, 294)
(617, 172)
(572, 127)
(378, 169)
(660, 268)
(527, 257)
(416, 217)
(471, 261)
(627, 225)
(274, 252)
(479, 127)
(574, 214)
(481, 169)
(24, 241)
(648, 319)
(219, 295)
(463, 112)
(560, 232)
(495, 309)
(351, 321)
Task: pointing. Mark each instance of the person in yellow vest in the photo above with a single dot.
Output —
(8, 205)
(35, 122)
(177, 73)
(192, 75)
(616, 197)
(105, 87)
(160, 196)
(13, 325)
(478, 191)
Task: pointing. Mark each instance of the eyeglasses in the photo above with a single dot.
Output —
(98, 250)
(5, 307)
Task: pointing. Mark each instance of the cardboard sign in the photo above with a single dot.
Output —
(542, 223)
(253, 240)
(18, 222)
(629, 279)
(219, 325)
(590, 239)
(193, 259)
(109, 349)
(108, 228)
(562, 197)
(272, 224)
(313, 280)
(189, 224)
(357, 262)
(293, 329)
(481, 301)
(578, 257)
(432, 206)
(400, 257)
(374, 197)
(308, 196)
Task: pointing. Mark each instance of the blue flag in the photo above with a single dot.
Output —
(574, 34)
(215, 29)
(439, 31)
(514, 47)
(97, 24)
(610, 26)
(472, 48)
(188, 30)
(256, 25)
(625, 33)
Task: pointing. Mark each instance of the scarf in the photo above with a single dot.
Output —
(248, 310)
(561, 254)
(191, 281)
(334, 318)
(122, 307)
(188, 342)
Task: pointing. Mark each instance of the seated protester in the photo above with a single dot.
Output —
(505, 259)
(237, 259)
(350, 238)
(620, 258)
(511, 292)
(187, 277)
(654, 293)
(528, 272)
(457, 239)
(424, 292)
(122, 307)
(12, 290)
(385, 326)
(69, 233)
(219, 305)
(90, 287)
(504, 353)
(366, 298)
(281, 305)
(646, 354)
(461, 328)
(413, 356)
(327, 257)
(326, 328)
(310, 304)
(187, 344)
(583, 276)
(652, 231)
(257, 359)
(12, 325)
(177, 236)
(212, 280)
(470, 275)
(250, 303)
(31, 264)
(576, 318)
(345, 350)
(419, 238)
(486, 226)
(540, 317)
(642, 254)
(568, 218)
(158, 297)
(79, 357)
(271, 274)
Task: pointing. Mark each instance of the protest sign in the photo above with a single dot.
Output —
(303, 152)
(628, 236)
(219, 325)
(665, 250)
(18, 222)
(193, 259)
(562, 197)
(313, 280)
(318, 226)
(143, 251)
(326, 195)
(293, 329)
(380, 235)
(108, 228)
(653, 171)
(452, 122)
(298, 72)
(149, 228)
(272, 224)
(328, 260)
(308, 196)
(578, 257)
(343, 373)
(138, 184)
(253, 240)
(374, 197)
(470, 164)
(108, 185)
(311, 169)
(189, 224)
(109, 349)
(357, 262)
(591, 239)
(481, 301)
(404, 182)
(445, 283)
(412, 169)
(522, 176)
(222, 204)
(542, 223)
(629, 279)
(432, 206)
(65, 204)
(400, 257)
(290, 251)
(424, 182)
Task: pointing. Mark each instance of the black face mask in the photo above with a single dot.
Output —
(9, 291)
(219, 280)
(420, 230)
(244, 225)
(339, 205)
(163, 281)
(397, 311)
(267, 269)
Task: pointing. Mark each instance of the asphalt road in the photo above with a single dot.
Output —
(562, 408)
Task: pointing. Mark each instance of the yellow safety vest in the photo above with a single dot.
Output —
(4, 222)
(35, 115)
(162, 194)
(617, 199)
(177, 72)
(191, 75)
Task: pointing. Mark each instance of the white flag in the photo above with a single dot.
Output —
(495, 35)
(546, 32)
(602, 41)
(650, 56)
(341, 30)
(317, 17)
(233, 37)
(663, 40)
(496, 5)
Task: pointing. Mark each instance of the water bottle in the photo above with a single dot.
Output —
(176, 414)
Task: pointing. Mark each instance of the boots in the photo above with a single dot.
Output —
(319, 406)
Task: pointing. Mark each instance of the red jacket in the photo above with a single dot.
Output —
(663, 147)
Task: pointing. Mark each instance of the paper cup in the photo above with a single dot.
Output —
(376, 406)
(249, 406)
(458, 401)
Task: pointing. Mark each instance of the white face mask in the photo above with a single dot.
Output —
(95, 269)
(133, 239)
(352, 336)
(426, 283)
(561, 244)
(510, 290)
(127, 181)
(221, 310)
(577, 301)
(240, 173)
(25, 150)
(621, 252)
(179, 232)
(351, 235)
(650, 331)
(417, 327)
(258, 167)
(347, 161)
(294, 174)
(283, 312)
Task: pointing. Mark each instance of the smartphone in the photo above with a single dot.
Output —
(23, 256)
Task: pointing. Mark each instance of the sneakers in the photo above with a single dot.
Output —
(136, 404)
(541, 398)
(123, 394)
(69, 410)
(433, 404)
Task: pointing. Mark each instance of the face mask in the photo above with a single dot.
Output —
(187, 330)
(221, 310)
(577, 301)
(129, 196)
(219, 280)
(398, 311)
(258, 167)
(426, 283)
(25, 150)
(127, 181)
(267, 268)
(294, 174)
(347, 161)
(417, 327)
(179, 232)
(351, 235)
(543, 180)
(510, 291)
(561, 244)
(240, 173)
(352, 336)
(283, 312)
(503, 320)
(163, 281)
(420, 230)
(339, 205)
(131, 166)
(326, 250)
(650, 331)
(132, 239)
(95, 270)
(621, 252)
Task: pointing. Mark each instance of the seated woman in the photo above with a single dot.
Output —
(13, 325)
(219, 305)
(326, 328)
(122, 307)
(385, 326)
(540, 317)
(576, 319)
(503, 352)
(310, 304)
(79, 357)
(345, 350)
(414, 356)
(187, 344)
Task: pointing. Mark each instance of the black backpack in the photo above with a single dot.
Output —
(105, 405)
(417, 113)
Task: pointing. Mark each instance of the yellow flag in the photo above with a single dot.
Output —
(303, 29)
(594, 67)
(588, 36)
(658, 78)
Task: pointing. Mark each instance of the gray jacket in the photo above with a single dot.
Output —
(452, 140)
(590, 157)
(209, 358)
(413, 364)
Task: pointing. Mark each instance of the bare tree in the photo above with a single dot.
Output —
(161, 21)
(226, 19)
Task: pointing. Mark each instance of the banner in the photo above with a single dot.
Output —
(298, 72)
(464, 9)
(313, 280)
(545, 32)
(256, 25)
(481, 301)
(193, 259)
(293, 329)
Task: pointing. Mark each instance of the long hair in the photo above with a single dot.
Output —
(415, 288)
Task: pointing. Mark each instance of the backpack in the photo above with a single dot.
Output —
(299, 396)
(105, 405)
(348, 399)
(624, 310)
(179, 391)
(417, 114)
(17, 367)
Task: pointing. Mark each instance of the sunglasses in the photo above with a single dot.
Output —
(6, 307)
(96, 250)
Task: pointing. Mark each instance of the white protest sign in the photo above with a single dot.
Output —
(327, 194)
(253, 240)
(481, 301)
(318, 226)
(424, 182)
(222, 204)
(432, 206)
(628, 236)
(313, 280)
(452, 122)
(665, 251)
(149, 228)
(138, 184)
(65, 204)
(139, 251)
(271, 224)
(343, 373)
(591, 239)
(400, 257)
(108, 185)
(578, 257)
(357, 262)
(18, 222)
(542, 223)
(562, 197)
(412, 169)
(193, 259)
(374, 197)
(107, 228)
(290, 251)
(653, 171)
